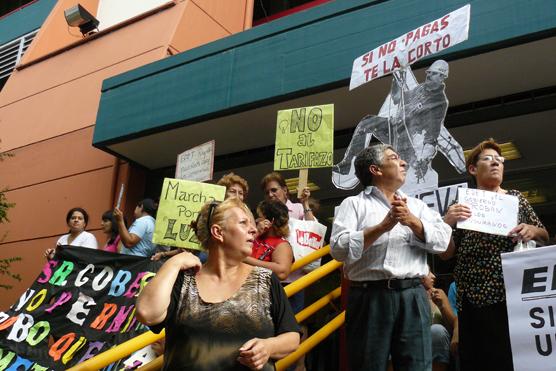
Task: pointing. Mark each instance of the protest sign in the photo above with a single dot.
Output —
(180, 203)
(197, 163)
(306, 236)
(491, 212)
(530, 281)
(304, 138)
(419, 43)
(81, 304)
(440, 199)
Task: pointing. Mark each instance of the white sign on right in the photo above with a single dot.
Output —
(491, 212)
(530, 282)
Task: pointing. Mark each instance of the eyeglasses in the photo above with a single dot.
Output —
(491, 158)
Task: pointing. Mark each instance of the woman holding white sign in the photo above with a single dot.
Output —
(225, 314)
(481, 298)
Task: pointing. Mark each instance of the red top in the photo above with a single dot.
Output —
(264, 247)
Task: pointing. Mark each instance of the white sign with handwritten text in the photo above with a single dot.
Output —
(491, 212)
(196, 164)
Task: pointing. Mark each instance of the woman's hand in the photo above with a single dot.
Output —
(439, 298)
(523, 232)
(455, 213)
(254, 353)
(118, 215)
(185, 261)
(263, 226)
(49, 253)
(159, 255)
(304, 197)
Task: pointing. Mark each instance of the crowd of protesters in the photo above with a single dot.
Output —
(395, 317)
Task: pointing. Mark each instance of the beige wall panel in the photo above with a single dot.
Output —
(55, 32)
(32, 261)
(65, 108)
(52, 159)
(153, 32)
(40, 210)
(29, 267)
(230, 14)
(196, 28)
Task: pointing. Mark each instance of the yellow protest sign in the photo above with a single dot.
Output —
(180, 202)
(304, 138)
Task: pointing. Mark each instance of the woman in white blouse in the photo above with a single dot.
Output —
(76, 219)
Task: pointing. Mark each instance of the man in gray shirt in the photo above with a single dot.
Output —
(383, 237)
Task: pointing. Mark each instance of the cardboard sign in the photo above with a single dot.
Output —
(304, 138)
(180, 202)
(81, 304)
(530, 281)
(440, 199)
(197, 163)
(491, 212)
(430, 38)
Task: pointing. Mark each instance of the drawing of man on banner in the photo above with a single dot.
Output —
(412, 121)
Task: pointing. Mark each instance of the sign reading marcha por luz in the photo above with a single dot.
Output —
(304, 138)
(82, 304)
(180, 203)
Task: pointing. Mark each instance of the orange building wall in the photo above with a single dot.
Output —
(55, 32)
(47, 115)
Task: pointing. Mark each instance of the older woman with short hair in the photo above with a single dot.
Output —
(225, 314)
(235, 185)
(484, 342)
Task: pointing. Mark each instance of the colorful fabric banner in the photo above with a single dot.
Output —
(430, 38)
(82, 304)
(530, 281)
(304, 138)
(180, 202)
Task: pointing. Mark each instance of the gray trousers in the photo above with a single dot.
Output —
(380, 322)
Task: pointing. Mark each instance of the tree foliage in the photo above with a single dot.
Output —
(6, 264)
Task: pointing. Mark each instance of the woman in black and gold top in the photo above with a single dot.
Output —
(224, 315)
(484, 340)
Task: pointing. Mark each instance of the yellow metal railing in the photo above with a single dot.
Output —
(118, 352)
(317, 254)
(318, 305)
(312, 342)
(124, 349)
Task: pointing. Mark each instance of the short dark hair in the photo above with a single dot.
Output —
(274, 176)
(78, 209)
(278, 213)
(473, 156)
(148, 206)
(372, 155)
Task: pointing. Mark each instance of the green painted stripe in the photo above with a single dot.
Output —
(25, 20)
(293, 55)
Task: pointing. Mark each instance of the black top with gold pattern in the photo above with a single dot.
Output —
(478, 270)
(206, 336)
